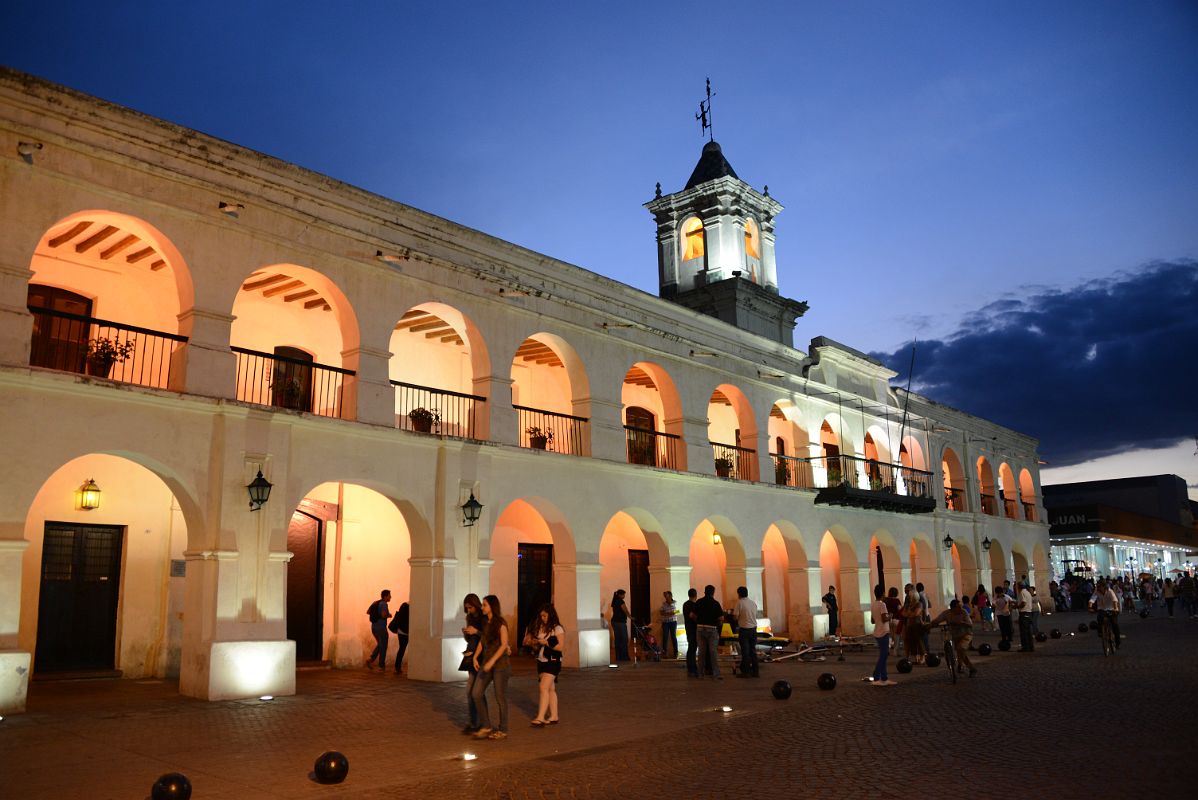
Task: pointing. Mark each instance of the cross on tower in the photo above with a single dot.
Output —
(704, 115)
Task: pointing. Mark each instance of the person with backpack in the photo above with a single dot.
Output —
(399, 626)
(379, 614)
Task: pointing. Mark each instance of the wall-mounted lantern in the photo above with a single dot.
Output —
(471, 511)
(89, 495)
(259, 489)
(948, 542)
(986, 544)
(716, 538)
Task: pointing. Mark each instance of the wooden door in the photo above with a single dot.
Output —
(77, 604)
(59, 342)
(534, 583)
(638, 586)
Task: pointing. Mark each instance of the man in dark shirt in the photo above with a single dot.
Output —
(688, 623)
(709, 616)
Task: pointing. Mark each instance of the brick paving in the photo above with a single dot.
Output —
(1028, 723)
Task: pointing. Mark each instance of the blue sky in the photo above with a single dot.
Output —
(933, 158)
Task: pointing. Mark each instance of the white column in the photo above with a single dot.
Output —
(14, 663)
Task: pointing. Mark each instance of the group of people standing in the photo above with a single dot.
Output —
(487, 663)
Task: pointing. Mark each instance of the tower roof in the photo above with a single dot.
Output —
(712, 165)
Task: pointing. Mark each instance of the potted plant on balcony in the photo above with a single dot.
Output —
(538, 438)
(102, 353)
(875, 483)
(723, 467)
(781, 473)
(423, 419)
(835, 477)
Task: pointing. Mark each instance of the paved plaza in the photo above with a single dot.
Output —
(1063, 722)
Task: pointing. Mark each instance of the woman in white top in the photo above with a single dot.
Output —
(545, 635)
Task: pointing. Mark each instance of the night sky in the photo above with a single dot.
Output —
(1015, 184)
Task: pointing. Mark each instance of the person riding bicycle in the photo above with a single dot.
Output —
(1106, 604)
(960, 631)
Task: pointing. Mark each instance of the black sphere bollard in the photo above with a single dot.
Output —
(171, 786)
(903, 665)
(1082, 627)
(932, 660)
(1093, 624)
(1056, 633)
(331, 767)
(984, 649)
(1004, 644)
(1041, 637)
(1144, 614)
(827, 682)
(781, 690)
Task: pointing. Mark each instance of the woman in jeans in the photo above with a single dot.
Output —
(471, 632)
(491, 662)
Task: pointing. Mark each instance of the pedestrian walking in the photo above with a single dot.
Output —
(981, 601)
(925, 616)
(545, 636)
(1027, 644)
(379, 613)
(399, 626)
(669, 624)
(913, 628)
(833, 611)
(471, 632)
(708, 619)
(689, 620)
(619, 625)
(880, 615)
(494, 667)
(746, 633)
(1170, 595)
(894, 607)
(1002, 612)
(1035, 611)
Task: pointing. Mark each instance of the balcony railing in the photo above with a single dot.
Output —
(1029, 512)
(954, 499)
(449, 413)
(793, 471)
(652, 448)
(732, 461)
(1010, 507)
(989, 504)
(293, 383)
(549, 430)
(867, 483)
(68, 342)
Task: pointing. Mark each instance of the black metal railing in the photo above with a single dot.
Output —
(549, 430)
(793, 471)
(915, 482)
(835, 470)
(732, 461)
(1029, 512)
(1010, 507)
(293, 383)
(100, 347)
(427, 410)
(652, 448)
(954, 499)
(989, 504)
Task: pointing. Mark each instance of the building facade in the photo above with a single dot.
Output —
(178, 315)
(1122, 527)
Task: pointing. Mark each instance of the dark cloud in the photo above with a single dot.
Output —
(1101, 368)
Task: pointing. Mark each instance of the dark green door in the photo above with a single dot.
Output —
(534, 583)
(81, 578)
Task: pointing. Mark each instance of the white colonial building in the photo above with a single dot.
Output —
(178, 314)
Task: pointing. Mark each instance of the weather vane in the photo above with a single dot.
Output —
(704, 115)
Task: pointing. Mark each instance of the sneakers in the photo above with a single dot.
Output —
(496, 735)
(482, 733)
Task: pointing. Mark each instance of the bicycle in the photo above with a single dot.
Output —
(1105, 633)
(950, 652)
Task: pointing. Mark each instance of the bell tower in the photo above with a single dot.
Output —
(715, 249)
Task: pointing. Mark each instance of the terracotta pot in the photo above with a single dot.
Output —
(538, 442)
(422, 424)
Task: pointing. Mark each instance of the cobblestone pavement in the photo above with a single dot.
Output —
(1027, 723)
